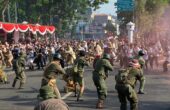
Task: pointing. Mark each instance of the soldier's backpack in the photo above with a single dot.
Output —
(122, 76)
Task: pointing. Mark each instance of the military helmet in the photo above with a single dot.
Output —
(57, 56)
(106, 56)
(141, 53)
(82, 53)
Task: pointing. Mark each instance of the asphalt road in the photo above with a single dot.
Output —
(157, 97)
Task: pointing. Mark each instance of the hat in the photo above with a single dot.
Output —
(57, 56)
(106, 56)
(141, 53)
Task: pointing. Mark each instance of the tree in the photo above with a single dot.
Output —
(147, 14)
(63, 12)
(110, 27)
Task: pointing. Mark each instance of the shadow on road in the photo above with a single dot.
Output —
(21, 101)
(154, 105)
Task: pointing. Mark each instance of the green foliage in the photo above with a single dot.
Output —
(110, 27)
(146, 13)
(46, 11)
(124, 17)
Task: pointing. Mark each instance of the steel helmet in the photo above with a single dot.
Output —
(141, 53)
(106, 56)
(57, 56)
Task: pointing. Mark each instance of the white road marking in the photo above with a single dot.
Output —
(66, 95)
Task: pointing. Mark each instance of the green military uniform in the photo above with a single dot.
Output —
(142, 80)
(141, 61)
(125, 87)
(20, 71)
(51, 71)
(78, 77)
(101, 67)
(47, 92)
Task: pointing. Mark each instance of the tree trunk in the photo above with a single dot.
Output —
(4, 9)
(9, 16)
(16, 13)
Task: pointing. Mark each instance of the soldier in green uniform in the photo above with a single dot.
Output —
(125, 83)
(142, 63)
(52, 70)
(78, 76)
(49, 90)
(20, 70)
(100, 73)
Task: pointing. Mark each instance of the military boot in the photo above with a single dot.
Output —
(75, 92)
(21, 86)
(100, 104)
(14, 83)
(141, 92)
(79, 97)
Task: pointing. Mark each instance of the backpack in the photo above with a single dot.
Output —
(122, 76)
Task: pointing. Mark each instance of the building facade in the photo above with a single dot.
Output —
(93, 25)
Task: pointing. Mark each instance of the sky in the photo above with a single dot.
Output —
(107, 8)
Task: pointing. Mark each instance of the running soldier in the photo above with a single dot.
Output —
(100, 73)
(19, 68)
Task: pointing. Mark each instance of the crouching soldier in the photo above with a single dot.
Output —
(100, 73)
(48, 84)
(125, 83)
(49, 90)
